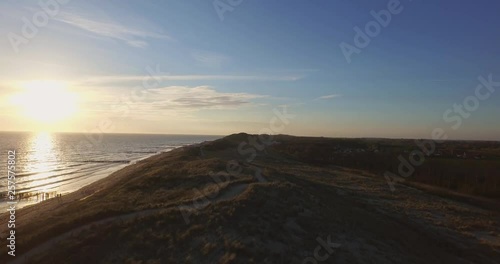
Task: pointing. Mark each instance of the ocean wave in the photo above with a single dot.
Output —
(105, 161)
(140, 152)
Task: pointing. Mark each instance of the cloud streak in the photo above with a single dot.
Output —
(193, 77)
(198, 98)
(176, 102)
(168, 103)
(209, 59)
(327, 97)
(133, 37)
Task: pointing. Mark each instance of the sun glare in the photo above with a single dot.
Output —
(46, 101)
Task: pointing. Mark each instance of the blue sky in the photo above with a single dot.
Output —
(223, 76)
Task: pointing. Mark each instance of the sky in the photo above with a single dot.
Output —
(221, 67)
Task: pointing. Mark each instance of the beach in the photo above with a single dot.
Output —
(48, 165)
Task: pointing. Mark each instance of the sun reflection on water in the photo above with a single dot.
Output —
(41, 151)
(41, 158)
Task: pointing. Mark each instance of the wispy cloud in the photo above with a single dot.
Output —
(330, 96)
(197, 98)
(209, 59)
(139, 78)
(131, 36)
(174, 102)
(290, 70)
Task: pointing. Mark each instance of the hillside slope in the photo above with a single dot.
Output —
(213, 203)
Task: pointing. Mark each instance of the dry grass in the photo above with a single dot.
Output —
(278, 221)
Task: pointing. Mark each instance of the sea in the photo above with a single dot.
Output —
(52, 164)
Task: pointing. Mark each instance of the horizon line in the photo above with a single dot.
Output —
(250, 134)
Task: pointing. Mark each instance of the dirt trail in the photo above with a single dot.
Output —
(230, 193)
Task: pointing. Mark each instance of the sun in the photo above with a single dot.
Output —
(46, 101)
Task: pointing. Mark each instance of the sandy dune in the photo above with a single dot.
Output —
(168, 209)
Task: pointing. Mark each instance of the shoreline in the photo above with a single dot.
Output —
(28, 214)
(85, 190)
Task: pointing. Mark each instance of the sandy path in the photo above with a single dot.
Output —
(228, 194)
